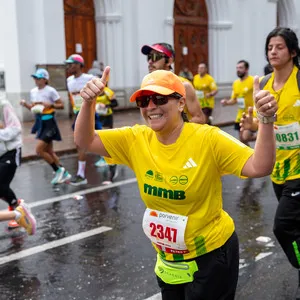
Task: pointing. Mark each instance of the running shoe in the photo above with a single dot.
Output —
(27, 220)
(66, 177)
(100, 163)
(58, 176)
(78, 180)
(13, 224)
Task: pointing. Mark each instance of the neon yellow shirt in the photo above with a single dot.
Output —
(287, 166)
(105, 99)
(243, 92)
(204, 85)
(182, 178)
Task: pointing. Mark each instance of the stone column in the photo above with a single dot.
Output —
(110, 39)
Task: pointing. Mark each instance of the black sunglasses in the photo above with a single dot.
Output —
(155, 56)
(157, 99)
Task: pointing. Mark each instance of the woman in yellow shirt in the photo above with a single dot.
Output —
(178, 166)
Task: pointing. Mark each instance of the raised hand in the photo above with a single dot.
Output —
(95, 87)
(224, 102)
(246, 122)
(265, 103)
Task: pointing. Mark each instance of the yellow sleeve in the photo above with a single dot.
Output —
(234, 95)
(213, 86)
(230, 154)
(117, 143)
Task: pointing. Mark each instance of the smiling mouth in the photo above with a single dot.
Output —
(155, 117)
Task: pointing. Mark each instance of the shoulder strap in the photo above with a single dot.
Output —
(264, 81)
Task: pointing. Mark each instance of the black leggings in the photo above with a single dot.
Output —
(216, 278)
(8, 165)
(287, 219)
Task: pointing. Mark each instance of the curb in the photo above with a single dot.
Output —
(74, 150)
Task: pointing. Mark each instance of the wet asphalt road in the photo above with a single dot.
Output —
(92, 246)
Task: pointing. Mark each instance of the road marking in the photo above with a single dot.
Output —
(262, 255)
(54, 244)
(82, 192)
(155, 297)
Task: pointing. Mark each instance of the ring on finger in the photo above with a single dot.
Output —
(269, 104)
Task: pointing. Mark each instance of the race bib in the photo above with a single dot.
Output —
(101, 110)
(241, 102)
(287, 136)
(77, 100)
(166, 230)
(199, 94)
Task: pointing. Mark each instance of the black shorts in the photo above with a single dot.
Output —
(215, 279)
(48, 131)
(107, 121)
(287, 219)
(237, 126)
(207, 111)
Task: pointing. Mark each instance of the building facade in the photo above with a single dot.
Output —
(217, 32)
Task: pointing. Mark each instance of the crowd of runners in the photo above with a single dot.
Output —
(198, 252)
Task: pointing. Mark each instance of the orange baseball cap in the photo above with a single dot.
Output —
(161, 82)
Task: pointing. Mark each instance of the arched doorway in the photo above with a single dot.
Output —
(80, 29)
(190, 34)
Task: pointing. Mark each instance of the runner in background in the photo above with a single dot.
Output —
(242, 95)
(75, 82)
(10, 158)
(44, 100)
(161, 56)
(105, 104)
(283, 53)
(206, 89)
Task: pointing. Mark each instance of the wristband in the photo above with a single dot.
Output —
(266, 119)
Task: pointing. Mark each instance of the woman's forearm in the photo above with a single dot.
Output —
(84, 126)
(265, 150)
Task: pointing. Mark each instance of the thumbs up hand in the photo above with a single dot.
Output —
(265, 103)
(95, 87)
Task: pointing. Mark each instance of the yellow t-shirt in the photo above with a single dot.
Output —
(243, 92)
(204, 85)
(183, 178)
(287, 130)
(105, 99)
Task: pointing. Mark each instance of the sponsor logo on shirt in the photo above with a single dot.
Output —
(157, 176)
(190, 164)
(297, 103)
(164, 193)
(183, 179)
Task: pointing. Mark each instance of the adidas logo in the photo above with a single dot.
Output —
(190, 164)
(297, 103)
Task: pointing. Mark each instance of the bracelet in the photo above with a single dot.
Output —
(266, 119)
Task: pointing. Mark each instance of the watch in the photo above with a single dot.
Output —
(266, 119)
